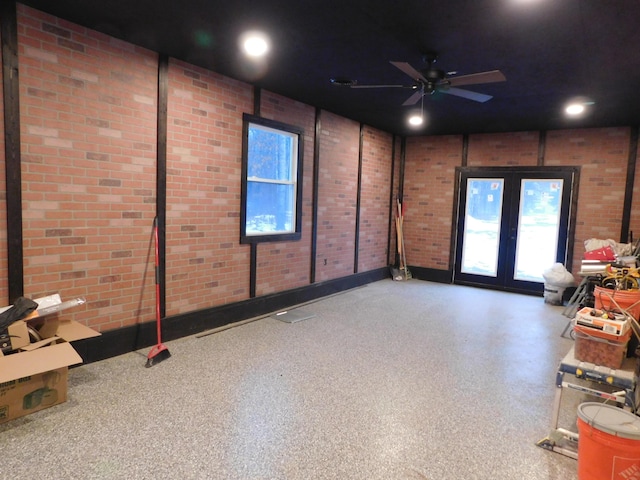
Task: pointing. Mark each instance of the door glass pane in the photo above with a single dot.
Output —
(538, 228)
(483, 214)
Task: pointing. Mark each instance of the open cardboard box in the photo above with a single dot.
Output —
(34, 377)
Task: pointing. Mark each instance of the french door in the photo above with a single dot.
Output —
(512, 225)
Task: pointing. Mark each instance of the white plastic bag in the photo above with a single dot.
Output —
(558, 275)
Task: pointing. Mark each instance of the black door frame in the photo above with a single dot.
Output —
(570, 173)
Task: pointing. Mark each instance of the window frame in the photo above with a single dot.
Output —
(290, 130)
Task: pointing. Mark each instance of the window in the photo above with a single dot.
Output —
(271, 181)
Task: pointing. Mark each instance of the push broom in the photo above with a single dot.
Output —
(160, 352)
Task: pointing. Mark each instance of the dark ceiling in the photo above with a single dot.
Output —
(548, 50)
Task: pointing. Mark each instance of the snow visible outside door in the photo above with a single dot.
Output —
(536, 232)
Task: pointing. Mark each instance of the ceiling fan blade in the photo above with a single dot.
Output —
(413, 99)
(459, 92)
(409, 70)
(383, 86)
(492, 76)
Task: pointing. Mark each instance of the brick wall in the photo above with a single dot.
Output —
(205, 264)
(602, 155)
(374, 200)
(88, 124)
(286, 265)
(338, 182)
(516, 149)
(428, 195)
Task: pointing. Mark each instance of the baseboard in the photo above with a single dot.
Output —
(127, 339)
(431, 274)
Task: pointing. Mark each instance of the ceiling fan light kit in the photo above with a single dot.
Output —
(416, 120)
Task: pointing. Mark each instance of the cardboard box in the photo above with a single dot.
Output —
(16, 336)
(34, 376)
(32, 381)
(619, 325)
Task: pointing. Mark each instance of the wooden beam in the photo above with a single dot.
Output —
(11, 102)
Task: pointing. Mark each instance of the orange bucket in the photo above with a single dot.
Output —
(628, 300)
(608, 443)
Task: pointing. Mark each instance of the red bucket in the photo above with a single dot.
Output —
(608, 443)
(628, 300)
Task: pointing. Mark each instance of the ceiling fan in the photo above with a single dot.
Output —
(430, 80)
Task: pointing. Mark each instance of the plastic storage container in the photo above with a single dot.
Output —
(599, 348)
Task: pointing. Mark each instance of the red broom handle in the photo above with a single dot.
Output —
(157, 275)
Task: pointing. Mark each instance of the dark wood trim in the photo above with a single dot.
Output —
(253, 268)
(161, 175)
(454, 223)
(124, 340)
(542, 147)
(625, 234)
(465, 150)
(432, 274)
(532, 168)
(356, 243)
(253, 252)
(257, 101)
(314, 207)
(403, 155)
(391, 202)
(12, 153)
(573, 217)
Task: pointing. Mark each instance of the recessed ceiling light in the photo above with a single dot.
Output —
(255, 44)
(574, 109)
(578, 106)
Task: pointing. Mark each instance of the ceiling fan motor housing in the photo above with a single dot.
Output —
(433, 74)
(433, 77)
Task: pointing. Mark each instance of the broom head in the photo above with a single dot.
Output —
(157, 354)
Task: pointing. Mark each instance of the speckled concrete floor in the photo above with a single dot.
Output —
(394, 380)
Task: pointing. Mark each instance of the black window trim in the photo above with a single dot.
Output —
(247, 120)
